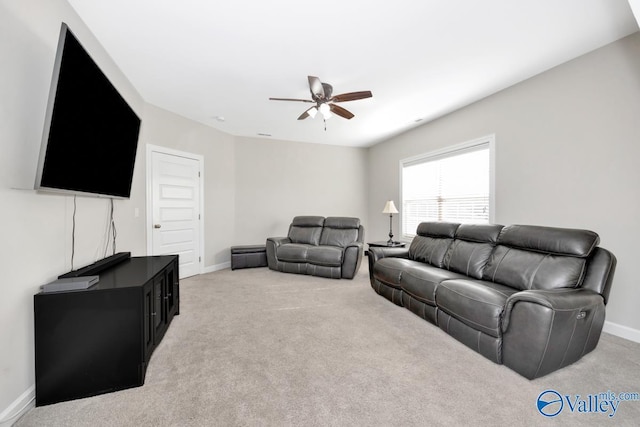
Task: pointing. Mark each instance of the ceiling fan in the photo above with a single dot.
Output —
(322, 96)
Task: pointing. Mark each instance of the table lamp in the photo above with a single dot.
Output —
(390, 208)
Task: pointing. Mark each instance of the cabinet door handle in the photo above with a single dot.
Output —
(157, 225)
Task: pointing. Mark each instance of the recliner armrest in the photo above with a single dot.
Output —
(545, 330)
(377, 253)
(271, 246)
(565, 299)
(277, 241)
(351, 259)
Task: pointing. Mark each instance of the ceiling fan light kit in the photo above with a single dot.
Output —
(322, 96)
(325, 110)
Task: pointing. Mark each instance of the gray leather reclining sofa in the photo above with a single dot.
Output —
(529, 297)
(328, 247)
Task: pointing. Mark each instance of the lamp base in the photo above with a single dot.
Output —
(390, 242)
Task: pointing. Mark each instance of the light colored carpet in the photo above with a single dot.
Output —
(256, 347)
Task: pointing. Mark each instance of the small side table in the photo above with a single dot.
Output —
(385, 244)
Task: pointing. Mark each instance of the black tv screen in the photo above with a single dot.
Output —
(91, 134)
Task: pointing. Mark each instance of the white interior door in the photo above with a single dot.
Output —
(176, 218)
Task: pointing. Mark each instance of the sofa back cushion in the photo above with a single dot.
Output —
(471, 249)
(306, 229)
(340, 231)
(534, 257)
(432, 242)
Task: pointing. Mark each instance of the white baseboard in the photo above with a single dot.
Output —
(622, 331)
(216, 267)
(19, 407)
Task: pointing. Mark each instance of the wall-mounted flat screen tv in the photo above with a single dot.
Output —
(90, 135)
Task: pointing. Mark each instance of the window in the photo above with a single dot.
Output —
(452, 185)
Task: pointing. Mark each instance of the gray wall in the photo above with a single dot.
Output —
(254, 186)
(277, 180)
(567, 150)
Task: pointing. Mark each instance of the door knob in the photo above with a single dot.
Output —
(156, 226)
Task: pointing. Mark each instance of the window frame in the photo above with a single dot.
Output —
(485, 141)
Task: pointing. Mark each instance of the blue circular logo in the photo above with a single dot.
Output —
(550, 403)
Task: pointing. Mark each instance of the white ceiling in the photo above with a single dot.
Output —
(420, 58)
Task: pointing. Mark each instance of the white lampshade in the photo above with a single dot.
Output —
(325, 110)
(389, 208)
(312, 112)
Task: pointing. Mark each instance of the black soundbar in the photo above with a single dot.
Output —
(98, 266)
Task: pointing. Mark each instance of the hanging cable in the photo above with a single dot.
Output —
(107, 239)
(113, 229)
(111, 233)
(73, 232)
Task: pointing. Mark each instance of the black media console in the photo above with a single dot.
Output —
(100, 339)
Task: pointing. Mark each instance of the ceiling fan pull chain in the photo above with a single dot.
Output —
(325, 124)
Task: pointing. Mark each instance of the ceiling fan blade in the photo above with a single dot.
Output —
(316, 88)
(352, 96)
(328, 90)
(336, 109)
(291, 99)
(305, 114)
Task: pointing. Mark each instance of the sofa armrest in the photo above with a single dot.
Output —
(271, 246)
(381, 252)
(351, 259)
(377, 253)
(602, 266)
(557, 300)
(277, 241)
(545, 330)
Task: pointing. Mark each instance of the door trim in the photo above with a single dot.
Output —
(149, 202)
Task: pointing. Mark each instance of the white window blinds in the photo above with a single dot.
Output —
(452, 186)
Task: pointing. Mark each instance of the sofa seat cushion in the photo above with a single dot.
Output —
(389, 270)
(293, 252)
(421, 280)
(330, 256)
(478, 304)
